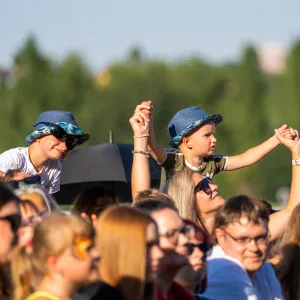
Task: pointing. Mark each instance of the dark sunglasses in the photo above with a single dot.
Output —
(55, 130)
(14, 220)
(203, 247)
(203, 185)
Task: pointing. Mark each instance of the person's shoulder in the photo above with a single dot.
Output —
(19, 151)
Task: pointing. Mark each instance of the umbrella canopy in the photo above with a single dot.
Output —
(105, 162)
(107, 165)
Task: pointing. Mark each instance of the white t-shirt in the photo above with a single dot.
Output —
(227, 279)
(18, 159)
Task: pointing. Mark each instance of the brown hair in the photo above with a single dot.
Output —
(241, 206)
(93, 201)
(153, 194)
(288, 269)
(121, 242)
(51, 237)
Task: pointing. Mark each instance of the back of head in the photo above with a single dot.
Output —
(121, 241)
(288, 271)
(238, 207)
(155, 205)
(6, 195)
(93, 201)
(152, 194)
(35, 193)
(51, 237)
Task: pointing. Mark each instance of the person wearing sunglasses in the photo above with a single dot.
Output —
(10, 221)
(196, 197)
(55, 135)
(173, 237)
(193, 276)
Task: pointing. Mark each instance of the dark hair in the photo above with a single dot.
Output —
(6, 195)
(155, 205)
(288, 272)
(93, 201)
(241, 206)
(153, 194)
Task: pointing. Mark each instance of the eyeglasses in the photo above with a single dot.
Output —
(82, 246)
(204, 185)
(14, 220)
(187, 230)
(203, 247)
(244, 241)
(70, 140)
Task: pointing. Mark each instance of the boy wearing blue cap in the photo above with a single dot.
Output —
(192, 132)
(55, 135)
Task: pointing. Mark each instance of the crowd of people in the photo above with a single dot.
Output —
(181, 241)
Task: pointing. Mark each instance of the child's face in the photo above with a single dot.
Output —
(52, 147)
(203, 142)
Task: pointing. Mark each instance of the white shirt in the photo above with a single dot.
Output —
(18, 159)
(228, 280)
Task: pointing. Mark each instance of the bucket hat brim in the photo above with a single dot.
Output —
(67, 127)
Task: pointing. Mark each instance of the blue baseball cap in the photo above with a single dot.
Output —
(63, 119)
(187, 120)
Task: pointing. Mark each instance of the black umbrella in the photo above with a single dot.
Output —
(108, 165)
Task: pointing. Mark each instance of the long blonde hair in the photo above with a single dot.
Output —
(51, 237)
(121, 242)
(181, 188)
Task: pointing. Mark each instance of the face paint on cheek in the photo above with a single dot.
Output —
(82, 246)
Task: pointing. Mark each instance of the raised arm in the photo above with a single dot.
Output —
(157, 151)
(140, 176)
(279, 220)
(255, 154)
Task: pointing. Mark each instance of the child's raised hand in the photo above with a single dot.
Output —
(288, 132)
(141, 118)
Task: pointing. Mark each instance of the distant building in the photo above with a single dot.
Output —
(272, 58)
(4, 74)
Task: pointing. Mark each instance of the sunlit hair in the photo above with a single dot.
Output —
(51, 237)
(181, 188)
(29, 189)
(153, 194)
(121, 242)
(288, 269)
(241, 206)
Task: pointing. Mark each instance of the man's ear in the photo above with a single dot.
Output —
(187, 142)
(220, 236)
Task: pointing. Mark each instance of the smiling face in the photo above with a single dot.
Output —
(207, 203)
(245, 241)
(52, 148)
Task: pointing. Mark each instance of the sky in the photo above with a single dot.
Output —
(104, 31)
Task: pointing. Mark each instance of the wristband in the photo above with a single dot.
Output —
(146, 153)
(140, 136)
(296, 162)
